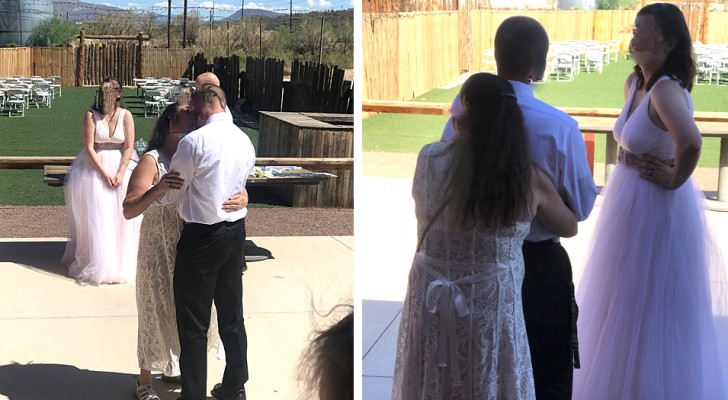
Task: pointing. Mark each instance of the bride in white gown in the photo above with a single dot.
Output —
(102, 245)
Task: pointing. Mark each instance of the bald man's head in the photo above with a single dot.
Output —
(521, 46)
(206, 78)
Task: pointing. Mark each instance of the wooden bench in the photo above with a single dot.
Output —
(55, 175)
(55, 169)
(591, 121)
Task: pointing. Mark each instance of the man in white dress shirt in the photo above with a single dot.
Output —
(213, 163)
(557, 147)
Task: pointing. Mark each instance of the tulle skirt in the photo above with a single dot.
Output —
(102, 245)
(652, 297)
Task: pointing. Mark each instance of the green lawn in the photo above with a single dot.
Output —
(55, 132)
(401, 133)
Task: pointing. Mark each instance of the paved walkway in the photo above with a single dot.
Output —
(62, 341)
(384, 255)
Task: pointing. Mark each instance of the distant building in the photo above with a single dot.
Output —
(19, 17)
(543, 4)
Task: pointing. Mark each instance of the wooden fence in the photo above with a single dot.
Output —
(312, 88)
(318, 88)
(227, 70)
(407, 54)
(264, 83)
(117, 60)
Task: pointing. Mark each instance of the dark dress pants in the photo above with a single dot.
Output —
(209, 268)
(547, 286)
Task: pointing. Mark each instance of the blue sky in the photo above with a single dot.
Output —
(225, 8)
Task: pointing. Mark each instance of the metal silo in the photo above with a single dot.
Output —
(578, 4)
(19, 17)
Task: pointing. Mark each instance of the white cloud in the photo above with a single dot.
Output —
(218, 6)
(318, 4)
(256, 6)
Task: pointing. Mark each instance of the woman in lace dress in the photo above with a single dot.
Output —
(462, 334)
(102, 245)
(158, 340)
(652, 293)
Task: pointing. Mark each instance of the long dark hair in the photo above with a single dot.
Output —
(680, 63)
(161, 129)
(491, 169)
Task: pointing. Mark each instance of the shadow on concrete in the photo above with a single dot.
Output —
(66, 382)
(255, 253)
(40, 256)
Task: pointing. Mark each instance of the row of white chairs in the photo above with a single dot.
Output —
(566, 59)
(19, 97)
(712, 63)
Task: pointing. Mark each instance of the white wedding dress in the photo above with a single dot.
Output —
(102, 244)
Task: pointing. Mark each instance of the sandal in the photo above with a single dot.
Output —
(145, 392)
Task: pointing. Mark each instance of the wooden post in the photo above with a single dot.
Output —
(723, 171)
(704, 27)
(81, 72)
(589, 142)
(611, 157)
(140, 64)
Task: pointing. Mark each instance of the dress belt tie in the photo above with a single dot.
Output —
(444, 296)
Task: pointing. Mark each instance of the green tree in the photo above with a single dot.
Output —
(615, 4)
(52, 32)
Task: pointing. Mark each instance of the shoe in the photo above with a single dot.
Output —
(145, 392)
(172, 379)
(219, 394)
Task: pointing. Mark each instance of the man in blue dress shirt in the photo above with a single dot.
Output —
(557, 147)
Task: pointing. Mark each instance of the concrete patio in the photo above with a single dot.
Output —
(384, 255)
(62, 341)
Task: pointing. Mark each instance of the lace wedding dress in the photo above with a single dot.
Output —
(158, 341)
(462, 334)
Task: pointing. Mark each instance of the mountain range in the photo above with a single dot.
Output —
(80, 11)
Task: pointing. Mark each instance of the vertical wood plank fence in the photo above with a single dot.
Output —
(318, 88)
(119, 60)
(408, 53)
(264, 83)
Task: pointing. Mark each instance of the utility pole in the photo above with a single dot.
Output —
(290, 17)
(169, 22)
(184, 26)
(260, 36)
(321, 46)
(211, 12)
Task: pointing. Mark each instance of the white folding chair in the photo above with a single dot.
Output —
(564, 66)
(489, 61)
(42, 92)
(706, 68)
(151, 102)
(16, 102)
(594, 58)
